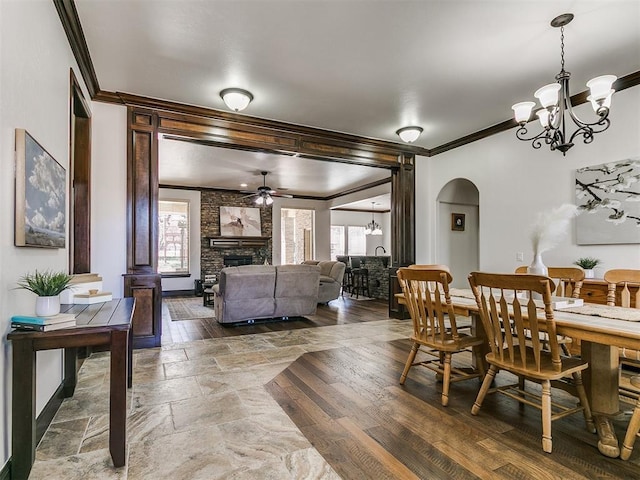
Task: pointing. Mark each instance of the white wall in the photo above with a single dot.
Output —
(109, 195)
(34, 95)
(193, 197)
(516, 182)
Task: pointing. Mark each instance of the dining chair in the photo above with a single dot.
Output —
(426, 293)
(615, 278)
(633, 430)
(569, 283)
(507, 316)
(568, 280)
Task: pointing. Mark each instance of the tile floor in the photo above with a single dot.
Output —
(198, 410)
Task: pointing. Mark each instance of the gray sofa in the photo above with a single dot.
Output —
(331, 275)
(251, 292)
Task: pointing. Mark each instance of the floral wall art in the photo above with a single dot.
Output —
(608, 197)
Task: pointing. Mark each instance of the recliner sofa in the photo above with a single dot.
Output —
(251, 292)
(331, 275)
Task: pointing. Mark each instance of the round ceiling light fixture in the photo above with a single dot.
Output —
(409, 134)
(236, 99)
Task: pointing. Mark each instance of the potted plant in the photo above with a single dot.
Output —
(47, 285)
(587, 264)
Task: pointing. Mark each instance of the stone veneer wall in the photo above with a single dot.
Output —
(210, 203)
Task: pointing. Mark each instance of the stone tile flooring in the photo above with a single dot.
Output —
(198, 410)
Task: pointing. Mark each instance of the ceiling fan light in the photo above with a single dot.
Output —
(522, 111)
(409, 134)
(548, 95)
(268, 200)
(259, 201)
(600, 87)
(236, 99)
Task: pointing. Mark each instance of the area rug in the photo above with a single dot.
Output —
(187, 308)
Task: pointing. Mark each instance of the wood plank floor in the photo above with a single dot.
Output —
(340, 311)
(348, 402)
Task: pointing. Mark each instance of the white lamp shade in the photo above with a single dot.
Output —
(543, 116)
(377, 231)
(268, 200)
(597, 104)
(259, 201)
(522, 111)
(601, 86)
(548, 95)
(236, 99)
(409, 134)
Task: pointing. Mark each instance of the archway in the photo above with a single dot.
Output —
(457, 234)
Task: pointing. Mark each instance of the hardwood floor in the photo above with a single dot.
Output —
(348, 403)
(337, 312)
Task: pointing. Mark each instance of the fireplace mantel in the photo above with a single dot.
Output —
(237, 242)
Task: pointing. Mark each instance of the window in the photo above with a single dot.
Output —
(173, 237)
(297, 234)
(337, 240)
(357, 241)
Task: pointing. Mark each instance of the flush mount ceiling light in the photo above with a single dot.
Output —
(555, 99)
(409, 134)
(372, 227)
(236, 99)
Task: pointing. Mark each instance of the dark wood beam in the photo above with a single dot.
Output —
(71, 25)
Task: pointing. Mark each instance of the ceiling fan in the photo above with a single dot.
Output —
(264, 194)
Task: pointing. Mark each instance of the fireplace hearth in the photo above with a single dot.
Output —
(236, 260)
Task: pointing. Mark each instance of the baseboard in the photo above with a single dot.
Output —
(48, 412)
(5, 473)
(178, 293)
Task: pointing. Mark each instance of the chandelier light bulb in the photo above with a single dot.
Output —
(522, 111)
(601, 86)
(236, 99)
(548, 95)
(543, 116)
(409, 134)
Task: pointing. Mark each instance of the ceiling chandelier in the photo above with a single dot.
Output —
(555, 99)
(372, 227)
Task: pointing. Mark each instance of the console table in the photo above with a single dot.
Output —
(106, 323)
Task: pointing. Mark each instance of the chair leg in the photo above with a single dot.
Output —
(486, 383)
(407, 366)
(546, 416)
(446, 380)
(632, 432)
(584, 401)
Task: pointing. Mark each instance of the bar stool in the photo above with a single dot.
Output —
(347, 279)
(360, 276)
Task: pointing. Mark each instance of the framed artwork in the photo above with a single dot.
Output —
(608, 196)
(240, 222)
(40, 206)
(457, 221)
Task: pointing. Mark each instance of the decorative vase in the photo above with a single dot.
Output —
(537, 267)
(48, 306)
(588, 273)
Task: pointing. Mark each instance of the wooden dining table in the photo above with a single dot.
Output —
(602, 330)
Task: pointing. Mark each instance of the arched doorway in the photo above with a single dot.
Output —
(457, 235)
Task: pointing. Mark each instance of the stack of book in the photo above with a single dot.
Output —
(43, 324)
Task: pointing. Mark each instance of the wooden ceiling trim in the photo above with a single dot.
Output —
(72, 28)
(328, 136)
(359, 189)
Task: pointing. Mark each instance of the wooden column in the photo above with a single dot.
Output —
(403, 235)
(142, 280)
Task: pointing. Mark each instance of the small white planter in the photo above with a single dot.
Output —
(47, 306)
(588, 273)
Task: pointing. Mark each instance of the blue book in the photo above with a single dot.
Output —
(29, 320)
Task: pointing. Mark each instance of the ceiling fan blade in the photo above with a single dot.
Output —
(281, 195)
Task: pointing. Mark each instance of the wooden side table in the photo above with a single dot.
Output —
(106, 323)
